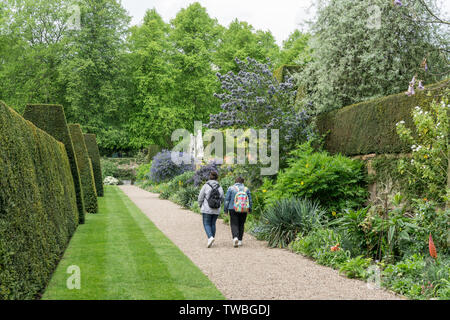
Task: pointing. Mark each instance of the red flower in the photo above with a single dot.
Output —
(335, 248)
(432, 247)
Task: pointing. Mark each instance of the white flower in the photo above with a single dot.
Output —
(110, 181)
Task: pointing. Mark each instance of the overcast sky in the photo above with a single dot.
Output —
(281, 17)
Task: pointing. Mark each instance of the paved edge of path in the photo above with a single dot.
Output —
(254, 271)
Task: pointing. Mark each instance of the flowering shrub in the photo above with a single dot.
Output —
(429, 145)
(110, 181)
(202, 174)
(163, 168)
(253, 98)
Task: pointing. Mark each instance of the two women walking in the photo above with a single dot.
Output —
(237, 203)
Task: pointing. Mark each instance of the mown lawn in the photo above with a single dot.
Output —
(122, 255)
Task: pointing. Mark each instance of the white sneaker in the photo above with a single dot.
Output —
(210, 242)
(240, 244)
(235, 242)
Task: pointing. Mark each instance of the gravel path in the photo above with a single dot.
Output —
(253, 271)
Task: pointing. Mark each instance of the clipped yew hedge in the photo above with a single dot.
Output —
(94, 154)
(370, 127)
(51, 119)
(38, 207)
(85, 167)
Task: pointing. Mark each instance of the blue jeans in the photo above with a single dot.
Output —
(209, 222)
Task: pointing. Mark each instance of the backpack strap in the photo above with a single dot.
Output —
(216, 187)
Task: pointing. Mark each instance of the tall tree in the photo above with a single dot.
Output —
(240, 40)
(156, 114)
(295, 49)
(365, 49)
(94, 70)
(195, 39)
(32, 37)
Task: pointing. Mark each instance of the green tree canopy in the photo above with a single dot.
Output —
(94, 75)
(295, 49)
(240, 40)
(354, 59)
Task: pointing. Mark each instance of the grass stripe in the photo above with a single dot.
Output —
(189, 279)
(122, 255)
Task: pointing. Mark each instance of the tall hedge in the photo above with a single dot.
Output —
(85, 167)
(94, 154)
(51, 119)
(38, 208)
(370, 127)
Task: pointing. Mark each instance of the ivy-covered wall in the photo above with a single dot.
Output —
(370, 127)
(51, 119)
(38, 207)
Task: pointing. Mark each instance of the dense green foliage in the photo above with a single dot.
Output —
(81, 67)
(85, 168)
(174, 67)
(51, 119)
(336, 182)
(131, 86)
(38, 208)
(94, 155)
(369, 127)
(434, 277)
(429, 143)
(296, 49)
(240, 40)
(367, 49)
